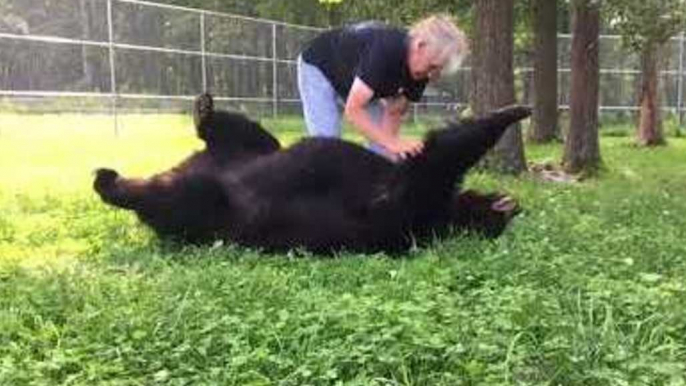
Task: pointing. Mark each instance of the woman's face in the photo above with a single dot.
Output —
(425, 62)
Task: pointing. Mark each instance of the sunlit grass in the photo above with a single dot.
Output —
(586, 288)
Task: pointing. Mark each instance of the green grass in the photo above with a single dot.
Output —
(588, 287)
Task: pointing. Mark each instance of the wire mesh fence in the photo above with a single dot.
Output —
(121, 56)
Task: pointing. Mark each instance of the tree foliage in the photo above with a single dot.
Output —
(320, 12)
(642, 22)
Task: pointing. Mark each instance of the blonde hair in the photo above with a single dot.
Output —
(440, 32)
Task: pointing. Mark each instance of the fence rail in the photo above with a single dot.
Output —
(136, 50)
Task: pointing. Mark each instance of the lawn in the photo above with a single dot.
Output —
(588, 286)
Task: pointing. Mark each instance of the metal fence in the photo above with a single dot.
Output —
(134, 55)
(620, 76)
(138, 55)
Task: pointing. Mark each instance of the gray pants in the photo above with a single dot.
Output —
(322, 105)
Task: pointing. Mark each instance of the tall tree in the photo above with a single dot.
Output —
(649, 131)
(493, 77)
(582, 150)
(645, 27)
(544, 121)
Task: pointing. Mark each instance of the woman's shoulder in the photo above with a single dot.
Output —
(375, 29)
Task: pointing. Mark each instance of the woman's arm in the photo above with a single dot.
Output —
(385, 135)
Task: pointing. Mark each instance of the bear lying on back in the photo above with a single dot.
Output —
(321, 194)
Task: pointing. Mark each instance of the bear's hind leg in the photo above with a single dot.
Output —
(203, 107)
(229, 135)
(119, 191)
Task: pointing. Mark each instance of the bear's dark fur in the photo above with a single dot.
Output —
(321, 194)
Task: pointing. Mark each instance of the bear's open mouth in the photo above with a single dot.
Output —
(504, 204)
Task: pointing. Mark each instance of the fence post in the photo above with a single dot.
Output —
(275, 83)
(113, 75)
(203, 58)
(680, 84)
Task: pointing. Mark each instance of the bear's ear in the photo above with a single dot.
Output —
(203, 107)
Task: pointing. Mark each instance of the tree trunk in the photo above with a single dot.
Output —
(582, 150)
(493, 78)
(544, 121)
(650, 123)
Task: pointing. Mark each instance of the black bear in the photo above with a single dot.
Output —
(321, 194)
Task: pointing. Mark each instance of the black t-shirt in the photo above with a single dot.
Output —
(372, 51)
